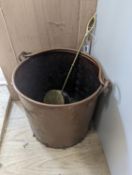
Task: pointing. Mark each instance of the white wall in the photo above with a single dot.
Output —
(113, 48)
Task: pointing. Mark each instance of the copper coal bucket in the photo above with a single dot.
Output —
(59, 126)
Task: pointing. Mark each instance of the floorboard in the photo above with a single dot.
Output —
(22, 154)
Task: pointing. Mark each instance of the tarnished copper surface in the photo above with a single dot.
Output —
(59, 126)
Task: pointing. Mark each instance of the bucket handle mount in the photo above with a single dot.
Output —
(24, 56)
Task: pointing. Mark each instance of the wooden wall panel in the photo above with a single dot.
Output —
(61, 21)
(44, 24)
(35, 25)
(21, 22)
(7, 56)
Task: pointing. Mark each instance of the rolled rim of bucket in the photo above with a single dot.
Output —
(98, 91)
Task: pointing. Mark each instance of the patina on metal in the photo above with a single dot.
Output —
(62, 125)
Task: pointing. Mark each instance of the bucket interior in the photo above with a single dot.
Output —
(48, 70)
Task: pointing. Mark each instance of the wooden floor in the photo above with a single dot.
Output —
(21, 154)
(4, 103)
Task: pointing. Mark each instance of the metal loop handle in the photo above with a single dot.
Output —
(106, 87)
(91, 25)
(89, 28)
